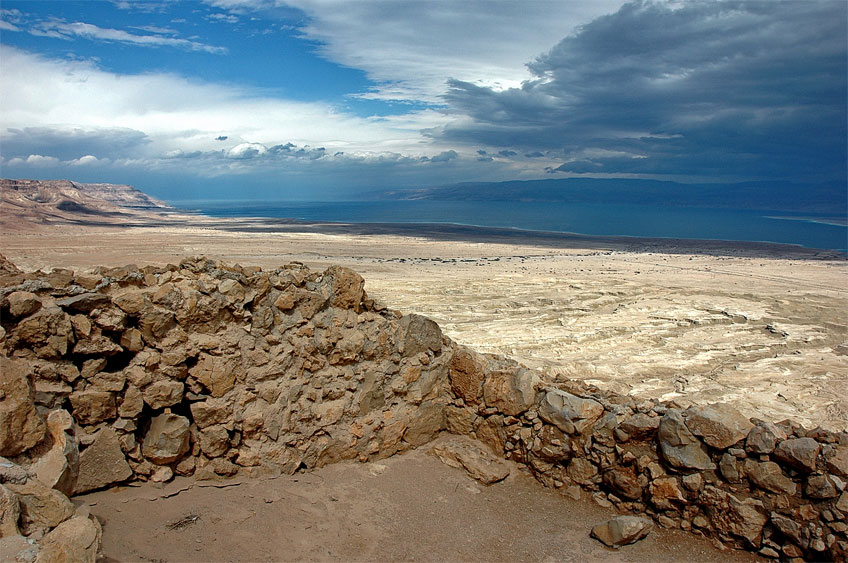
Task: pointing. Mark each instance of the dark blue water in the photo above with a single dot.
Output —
(589, 219)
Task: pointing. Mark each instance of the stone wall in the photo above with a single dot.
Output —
(210, 370)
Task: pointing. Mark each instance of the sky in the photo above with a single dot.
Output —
(322, 99)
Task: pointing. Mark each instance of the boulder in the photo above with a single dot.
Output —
(800, 453)
(58, 468)
(48, 332)
(719, 425)
(10, 512)
(167, 439)
(769, 476)
(582, 471)
(41, 507)
(164, 393)
(678, 446)
(416, 334)
(91, 407)
(23, 303)
(837, 461)
(640, 426)
(76, 540)
(622, 530)
(84, 302)
(467, 372)
(131, 302)
(665, 493)
(743, 519)
(510, 390)
(763, 438)
(476, 460)
(347, 287)
(21, 427)
(214, 441)
(568, 412)
(209, 412)
(102, 463)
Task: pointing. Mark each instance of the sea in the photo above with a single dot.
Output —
(807, 229)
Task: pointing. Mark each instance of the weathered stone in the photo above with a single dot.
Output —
(640, 426)
(820, 487)
(162, 474)
(665, 493)
(842, 503)
(214, 441)
(729, 468)
(91, 407)
(464, 453)
(491, 432)
(108, 381)
(76, 540)
(510, 390)
(12, 472)
(623, 482)
(130, 302)
(719, 425)
(743, 519)
(459, 420)
(568, 412)
(96, 345)
(837, 461)
(23, 303)
(286, 300)
(102, 463)
(347, 287)
(10, 512)
(678, 446)
(769, 476)
(215, 373)
(167, 439)
(155, 323)
(418, 334)
(132, 403)
(428, 422)
(161, 394)
(21, 427)
(788, 527)
(582, 471)
(209, 412)
(467, 372)
(800, 453)
(48, 332)
(58, 468)
(131, 340)
(693, 482)
(84, 302)
(41, 507)
(622, 530)
(551, 444)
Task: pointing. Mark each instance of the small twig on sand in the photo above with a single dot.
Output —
(184, 522)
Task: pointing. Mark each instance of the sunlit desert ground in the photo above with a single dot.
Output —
(768, 334)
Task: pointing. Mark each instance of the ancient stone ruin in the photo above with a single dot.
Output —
(209, 370)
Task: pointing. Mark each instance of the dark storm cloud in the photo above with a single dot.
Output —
(755, 89)
(67, 144)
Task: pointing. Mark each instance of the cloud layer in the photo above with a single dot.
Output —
(745, 89)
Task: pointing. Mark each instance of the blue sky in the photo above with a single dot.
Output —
(317, 99)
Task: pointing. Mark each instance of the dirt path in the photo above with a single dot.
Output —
(406, 508)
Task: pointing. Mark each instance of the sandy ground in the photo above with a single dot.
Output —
(764, 328)
(406, 508)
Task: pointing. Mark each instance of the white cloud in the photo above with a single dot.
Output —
(65, 30)
(84, 160)
(39, 160)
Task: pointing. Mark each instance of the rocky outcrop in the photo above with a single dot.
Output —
(210, 370)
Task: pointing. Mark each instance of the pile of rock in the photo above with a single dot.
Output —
(204, 369)
(778, 489)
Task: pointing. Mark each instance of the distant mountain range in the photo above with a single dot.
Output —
(773, 196)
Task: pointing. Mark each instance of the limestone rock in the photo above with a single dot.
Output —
(719, 425)
(510, 390)
(102, 463)
(209, 412)
(132, 403)
(18, 549)
(167, 440)
(91, 407)
(41, 507)
(347, 287)
(800, 453)
(769, 476)
(161, 394)
(464, 453)
(428, 422)
(10, 512)
(678, 446)
(640, 426)
(568, 412)
(788, 527)
(820, 487)
(763, 438)
(215, 373)
(418, 334)
(58, 468)
(665, 492)
(743, 519)
(131, 302)
(23, 303)
(582, 471)
(214, 441)
(48, 332)
(84, 303)
(622, 530)
(12, 472)
(730, 468)
(837, 462)
(21, 427)
(76, 540)
(467, 372)
(623, 482)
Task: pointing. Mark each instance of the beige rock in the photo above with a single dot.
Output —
(800, 453)
(167, 440)
(624, 482)
(215, 373)
(416, 334)
(155, 323)
(162, 474)
(17, 548)
(510, 390)
(131, 340)
(467, 372)
(769, 476)
(622, 530)
(132, 403)
(719, 425)
(429, 420)
(665, 493)
(10, 512)
(214, 441)
(91, 407)
(568, 412)
(102, 463)
(77, 540)
(48, 332)
(58, 468)
(459, 420)
(582, 471)
(467, 454)
(837, 462)
(84, 302)
(96, 345)
(165, 393)
(347, 287)
(743, 519)
(21, 427)
(130, 302)
(763, 438)
(678, 446)
(23, 303)
(209, 412)
(41, 507)
(640, 426)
